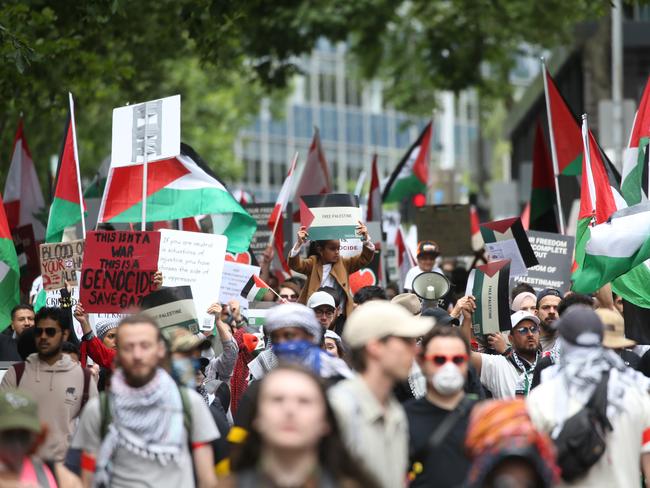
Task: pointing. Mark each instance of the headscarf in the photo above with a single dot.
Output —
(499, 429)
(239, 380)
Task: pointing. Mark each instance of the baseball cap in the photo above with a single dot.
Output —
(518, 317)
(581, 326)
(320, 298)
(428, 247)
(409, 301)
(553, 292)
(18, 411)
(378, 319)
(185, 341)
(441, 316)
(614, 330)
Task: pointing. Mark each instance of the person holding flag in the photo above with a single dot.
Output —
(324, 266)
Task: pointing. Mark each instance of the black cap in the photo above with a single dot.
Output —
(553, 292)
(581, 326)
(441, 316)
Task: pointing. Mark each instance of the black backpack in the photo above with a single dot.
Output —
(581, 442)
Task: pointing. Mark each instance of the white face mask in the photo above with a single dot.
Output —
(448, 380)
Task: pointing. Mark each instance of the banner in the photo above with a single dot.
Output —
(234, 278)
(197, 260)
(330, 216)
(489, 285)
(117, 270)
(506, 239)
(172, 307)
(447, 225)
(27, 253)
(555, 255)
(60, 262)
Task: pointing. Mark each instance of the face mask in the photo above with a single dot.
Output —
(448, 380)
(184, 371)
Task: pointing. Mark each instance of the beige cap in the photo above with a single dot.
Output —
(409, 301)
(614, 330)
(378, 319)
(185, 341)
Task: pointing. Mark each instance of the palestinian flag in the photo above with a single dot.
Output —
(489, 284)
(411, 175)
(374, 194)
(68, 205)
(599, 200)
(635, 158)
(331, 216)
(24, 201)
(542, 199)
(276, 219)
(177, 188)
(9, 272)
(255, 289)
(564, 130)
(315, 176)
(475, 229)
(512, 229)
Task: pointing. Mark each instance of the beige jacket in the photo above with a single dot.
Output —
(58, 390)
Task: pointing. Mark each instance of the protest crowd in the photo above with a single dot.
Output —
(179, 356)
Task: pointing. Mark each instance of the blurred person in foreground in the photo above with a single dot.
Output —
(292, 438)
(584, 367)
(437, 422)
(382, 338)
(138, 434)
(506, 450)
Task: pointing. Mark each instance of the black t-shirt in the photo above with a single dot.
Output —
(445, 466)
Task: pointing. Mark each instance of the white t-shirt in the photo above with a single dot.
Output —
(500, 376)
(619, 466)
(413, 272)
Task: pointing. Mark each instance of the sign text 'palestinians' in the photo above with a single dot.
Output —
(555, 254)
(488, 284)
(118, 269)
(330, 216)
(60, 262)
(507, 239)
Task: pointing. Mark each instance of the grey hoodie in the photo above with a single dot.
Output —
(58, 390)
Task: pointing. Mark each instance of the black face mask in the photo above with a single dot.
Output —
(14, 446)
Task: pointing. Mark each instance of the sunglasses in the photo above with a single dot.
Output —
(525, 330)
(441, 359)
(48, 331)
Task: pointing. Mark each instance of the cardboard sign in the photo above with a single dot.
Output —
(330, 216)
(172, 307)
(234, 278)
(555, 255)
(194, 259)
(163, 131)
(60, 262)
(506, 239)
(368, 276)
(117, 270)
(262, 237)
(489, 285)
(27, 253)
(447, 225)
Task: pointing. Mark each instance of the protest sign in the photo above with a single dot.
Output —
(368, 276)
(96, 318)
(60, 262)
(234, 278)
(27, 253)
(172, 307)
(262, 237)
(330, 216)
(163, 120)
(488, 284)
(197, 260)
(117, 270)
(448, 226)
(53, 299)
(555, 255)
(506, 239)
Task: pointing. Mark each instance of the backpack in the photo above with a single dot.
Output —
(106, 416)
(19, 369)
(581, 442)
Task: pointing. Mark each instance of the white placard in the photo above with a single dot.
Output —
(195, 259)
(234, 278)
(165, 125)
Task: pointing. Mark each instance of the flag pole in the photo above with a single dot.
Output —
(551, 136)
(145, 168)
(275, 226)
(76, 163)
(591, 187)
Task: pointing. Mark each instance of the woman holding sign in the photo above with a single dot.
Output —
(325, 267)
